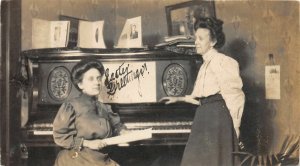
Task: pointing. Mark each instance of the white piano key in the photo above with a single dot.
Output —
(175, 131)
(41, 132)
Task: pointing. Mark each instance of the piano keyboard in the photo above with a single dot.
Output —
(153, 124)
(171, 131)
(175, 127)
(162, 127)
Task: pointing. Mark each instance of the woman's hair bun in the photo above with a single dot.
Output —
(215, 26)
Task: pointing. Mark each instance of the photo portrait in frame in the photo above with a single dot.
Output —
(181, 17)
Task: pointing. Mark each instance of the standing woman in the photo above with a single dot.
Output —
(81, 123)
(218, 92)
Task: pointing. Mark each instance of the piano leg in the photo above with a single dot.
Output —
(24, 154)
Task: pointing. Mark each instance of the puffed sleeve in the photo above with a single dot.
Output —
(64, 127)
(230, 82)
(115, 120)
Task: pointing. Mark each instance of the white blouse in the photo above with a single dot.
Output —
(219, 74)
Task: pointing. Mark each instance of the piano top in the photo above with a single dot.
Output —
(111, 54)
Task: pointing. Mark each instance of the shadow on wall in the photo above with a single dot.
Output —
(152, 40)
(256, 126)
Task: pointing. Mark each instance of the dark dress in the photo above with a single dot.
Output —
(86, 118)
(212, 139)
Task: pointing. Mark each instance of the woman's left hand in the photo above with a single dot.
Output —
(124, 131)
(94, 144)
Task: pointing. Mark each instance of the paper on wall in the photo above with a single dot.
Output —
(272, 81)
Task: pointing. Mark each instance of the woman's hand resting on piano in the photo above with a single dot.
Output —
(94, 144)
(187, 99)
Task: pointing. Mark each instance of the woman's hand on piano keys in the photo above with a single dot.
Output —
(94, 144)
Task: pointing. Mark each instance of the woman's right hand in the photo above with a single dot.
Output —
(187, 99)
(192, 100)
(94, 144)
(170, 100)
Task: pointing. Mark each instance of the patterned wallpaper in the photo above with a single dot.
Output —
(255, 29)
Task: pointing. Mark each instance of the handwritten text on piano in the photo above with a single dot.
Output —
(122, 76)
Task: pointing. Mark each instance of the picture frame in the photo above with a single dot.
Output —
(181, 17)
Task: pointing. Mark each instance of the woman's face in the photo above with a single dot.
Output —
(203, 41)
(91, 82)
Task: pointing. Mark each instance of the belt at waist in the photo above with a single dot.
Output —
(209, 99)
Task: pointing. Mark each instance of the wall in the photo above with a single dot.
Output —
(253, 30)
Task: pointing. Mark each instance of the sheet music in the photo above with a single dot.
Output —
(272, 74)
(130, 137)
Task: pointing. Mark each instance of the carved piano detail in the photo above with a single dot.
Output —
(134, 82)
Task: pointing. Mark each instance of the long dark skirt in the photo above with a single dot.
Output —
(84, 157)
(212, 139)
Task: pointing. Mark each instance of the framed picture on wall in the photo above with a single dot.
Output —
(181, 17)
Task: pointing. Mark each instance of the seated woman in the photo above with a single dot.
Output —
(81, 123)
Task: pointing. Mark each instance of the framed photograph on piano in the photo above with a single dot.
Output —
(181, 17)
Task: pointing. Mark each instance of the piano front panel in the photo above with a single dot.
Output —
(161, 78)
(55, 85)
(153, 75)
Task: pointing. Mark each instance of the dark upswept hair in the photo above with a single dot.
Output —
(215, 28)
(83, 66)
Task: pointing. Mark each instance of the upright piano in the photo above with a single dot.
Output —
(135, 80)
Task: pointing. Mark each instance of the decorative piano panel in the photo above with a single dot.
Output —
(133, 84)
